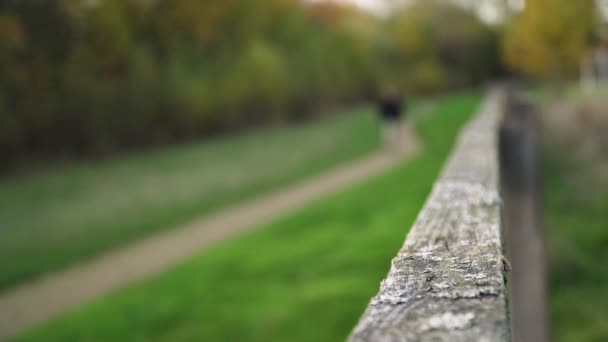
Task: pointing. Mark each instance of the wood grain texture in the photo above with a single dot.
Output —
(447, 282)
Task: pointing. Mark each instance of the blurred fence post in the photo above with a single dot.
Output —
(522, 215)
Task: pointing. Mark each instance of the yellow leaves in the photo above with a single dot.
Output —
(111, 25)
(12, 34)
(524, 51)
(411, 36)
(549, 37)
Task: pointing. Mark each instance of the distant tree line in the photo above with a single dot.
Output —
(93, 77)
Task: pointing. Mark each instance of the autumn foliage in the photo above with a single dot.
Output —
(90, 77)
(549, 37)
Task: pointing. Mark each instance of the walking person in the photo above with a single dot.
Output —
(390, 109)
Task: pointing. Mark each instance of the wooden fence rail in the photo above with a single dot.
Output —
(447, 283)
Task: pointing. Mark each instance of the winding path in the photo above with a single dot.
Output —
(50, 296)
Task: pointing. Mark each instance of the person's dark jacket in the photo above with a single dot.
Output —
(391, 106)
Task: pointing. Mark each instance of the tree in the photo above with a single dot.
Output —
(549, 37)
(86, 77)
(439, 44)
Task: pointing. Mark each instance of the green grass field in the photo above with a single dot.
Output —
(576, 210)
(305, 277)
(51, 218)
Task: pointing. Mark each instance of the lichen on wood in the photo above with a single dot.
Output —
(447, 281)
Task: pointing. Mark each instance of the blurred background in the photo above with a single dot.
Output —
(96, 77)
(120, 119)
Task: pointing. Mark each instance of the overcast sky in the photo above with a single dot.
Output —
(486, 9)
(374, 5)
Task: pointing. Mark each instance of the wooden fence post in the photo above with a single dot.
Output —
(522, 214)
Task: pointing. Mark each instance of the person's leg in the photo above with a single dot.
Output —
(397, 134)
(392, 134)
(387, 134)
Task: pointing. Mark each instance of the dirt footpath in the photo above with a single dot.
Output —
(50, 296)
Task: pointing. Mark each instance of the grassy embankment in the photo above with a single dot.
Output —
(576, 220)
(305, 277)
(51, 218)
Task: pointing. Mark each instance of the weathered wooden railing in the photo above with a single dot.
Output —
(447, 283)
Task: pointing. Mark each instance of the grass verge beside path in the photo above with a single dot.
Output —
(49, 219)
(306, 277)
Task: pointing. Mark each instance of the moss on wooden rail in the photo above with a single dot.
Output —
(447, 282)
